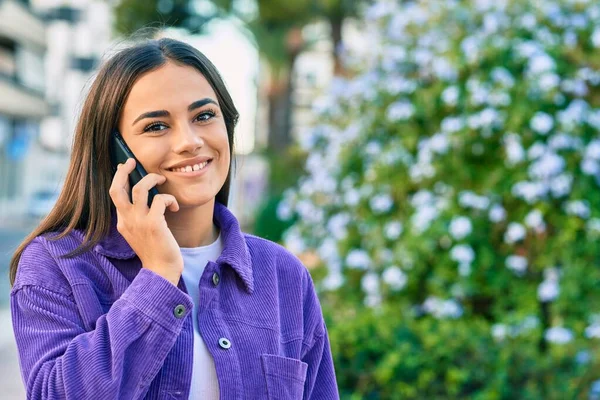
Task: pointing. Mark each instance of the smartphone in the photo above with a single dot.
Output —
(119, 153)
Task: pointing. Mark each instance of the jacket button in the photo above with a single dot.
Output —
(179, 311)
(224, 343)
(216, 279)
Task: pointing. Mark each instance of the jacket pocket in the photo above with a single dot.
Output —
(285, 377)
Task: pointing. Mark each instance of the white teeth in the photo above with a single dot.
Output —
(190, 168)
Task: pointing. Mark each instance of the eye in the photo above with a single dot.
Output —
(206, 115)
(154, 127)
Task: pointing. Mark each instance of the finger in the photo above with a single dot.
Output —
(119, 188)
(161, 202)
(140, 190)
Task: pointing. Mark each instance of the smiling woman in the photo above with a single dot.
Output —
(112, 298)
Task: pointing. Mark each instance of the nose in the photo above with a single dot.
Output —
(187, 139)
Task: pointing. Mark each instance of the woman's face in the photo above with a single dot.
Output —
(173, 124)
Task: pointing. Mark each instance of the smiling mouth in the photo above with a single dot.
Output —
(191, 168)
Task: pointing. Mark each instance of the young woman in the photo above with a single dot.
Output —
(112, 299)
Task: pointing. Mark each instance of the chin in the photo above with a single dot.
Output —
(196, 201)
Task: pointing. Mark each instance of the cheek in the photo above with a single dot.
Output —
(148, 153)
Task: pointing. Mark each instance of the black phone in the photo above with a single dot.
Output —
(119, 153)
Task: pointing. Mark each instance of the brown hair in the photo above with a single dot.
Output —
(84, 202)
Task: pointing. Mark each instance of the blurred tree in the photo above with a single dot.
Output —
(336, 12)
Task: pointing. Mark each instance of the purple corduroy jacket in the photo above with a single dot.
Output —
(98, 326)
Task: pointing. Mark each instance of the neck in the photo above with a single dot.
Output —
(193, 226)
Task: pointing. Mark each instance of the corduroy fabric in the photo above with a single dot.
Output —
(98, 326)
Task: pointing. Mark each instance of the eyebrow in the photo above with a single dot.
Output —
(165, 113)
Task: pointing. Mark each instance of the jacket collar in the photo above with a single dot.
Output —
(235, 251)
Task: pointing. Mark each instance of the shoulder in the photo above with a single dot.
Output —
(266, 251)
(41, 260)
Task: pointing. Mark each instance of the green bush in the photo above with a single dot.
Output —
(452, 193)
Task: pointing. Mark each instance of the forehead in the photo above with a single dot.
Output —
(168, 87)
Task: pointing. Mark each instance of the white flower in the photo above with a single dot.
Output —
(444, 70)
(549, 81)
(460, 227)
(562, 141)
(529, 191)
(517, 264)
(595, 388)
(370, 283)
(503, 76)
(393, 230)
(462, 253)
(497, 213)
(381, 203)
(514, 233)
(358, 259)
(596, 38)
(352, 197)
(548, 290)
(561, 185)
(422, 218)
(590, 167)
(337, 225)
(540, 63)
(593, 150)
(547, 166)
(334, 280)
(558, 335)
(499, 331)
(593, 331)
(579, 208)
(528, 21)
(470, 199)
(378, 10)
(536, 150)
(593, 225)
(541, 123)
(450, 95)
(442, 308)
(399, 111)
(294, 241)
(452, 124)
(514, 149)
(328, 251)
(284, 210)
(395, 277)
(535, 220)
(439, 143)
(373, 148)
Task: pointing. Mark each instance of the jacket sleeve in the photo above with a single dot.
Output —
(320, 375)
(118, 359)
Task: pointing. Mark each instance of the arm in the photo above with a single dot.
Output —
(320, 376)
(118, 359)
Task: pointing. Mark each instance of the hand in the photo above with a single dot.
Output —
(145, 229)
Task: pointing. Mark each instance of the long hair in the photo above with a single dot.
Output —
(84, 202)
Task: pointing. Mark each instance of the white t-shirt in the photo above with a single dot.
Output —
(204, 375)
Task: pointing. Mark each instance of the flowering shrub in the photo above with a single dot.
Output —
(452, 192)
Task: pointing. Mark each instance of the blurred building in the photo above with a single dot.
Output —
(49, 50)
(22, 102)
